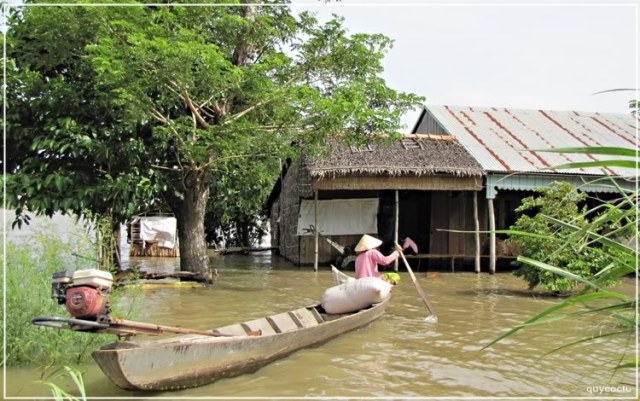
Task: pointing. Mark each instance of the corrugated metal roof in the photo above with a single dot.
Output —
(506, 140)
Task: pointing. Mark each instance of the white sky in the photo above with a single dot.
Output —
(536, 54)
(533, 55)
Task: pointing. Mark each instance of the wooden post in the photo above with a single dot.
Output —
(477, 228)
(282, 229)
(492, 238)
(397, 224)
(315, 222)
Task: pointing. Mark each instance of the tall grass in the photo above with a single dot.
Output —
(29, 268)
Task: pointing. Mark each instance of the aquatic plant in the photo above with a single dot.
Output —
(615, 230)
(60, 395)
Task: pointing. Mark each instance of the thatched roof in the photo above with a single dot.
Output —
(415, 155)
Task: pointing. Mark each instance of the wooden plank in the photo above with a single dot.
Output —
(423, 183)
(492, 237)
(260, 325)
(284, 322)
(305, 317)
(233, 329)
(476, 225)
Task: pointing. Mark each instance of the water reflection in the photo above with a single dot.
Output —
(400, 355)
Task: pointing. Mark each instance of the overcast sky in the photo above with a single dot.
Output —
(533, 55)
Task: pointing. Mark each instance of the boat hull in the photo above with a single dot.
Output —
(194, 360)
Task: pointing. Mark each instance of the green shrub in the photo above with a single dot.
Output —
(613, 227)
(542, 215)
(28, 294)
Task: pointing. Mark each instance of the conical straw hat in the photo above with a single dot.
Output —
(367, 242)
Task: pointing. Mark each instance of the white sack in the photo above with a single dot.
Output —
(355, 295)
(339, 277)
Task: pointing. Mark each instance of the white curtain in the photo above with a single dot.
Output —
(339, 216)
(159, 229)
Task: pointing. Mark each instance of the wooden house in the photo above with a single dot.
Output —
(461, 171)
(428, 181)
(153, 235)
(510, 146)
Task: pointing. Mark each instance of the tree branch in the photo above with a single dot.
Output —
(260, 103)
(194, 110)
(164, 168)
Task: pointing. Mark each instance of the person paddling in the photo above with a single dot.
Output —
(368, 257)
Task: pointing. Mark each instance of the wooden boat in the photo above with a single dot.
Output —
(194, 360)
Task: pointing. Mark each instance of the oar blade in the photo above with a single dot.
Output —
(431, 319)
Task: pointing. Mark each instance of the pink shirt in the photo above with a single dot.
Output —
(367, 262)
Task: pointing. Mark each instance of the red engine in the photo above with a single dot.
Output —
(84, 293)
(85, 302)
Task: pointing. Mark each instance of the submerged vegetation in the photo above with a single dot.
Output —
(613, 230)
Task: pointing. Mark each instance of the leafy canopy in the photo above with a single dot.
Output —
(121, 104)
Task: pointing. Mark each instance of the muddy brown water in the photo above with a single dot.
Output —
(400, 355)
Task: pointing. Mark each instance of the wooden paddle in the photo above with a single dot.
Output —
(124, 327)
(148, 328)
(432, 318)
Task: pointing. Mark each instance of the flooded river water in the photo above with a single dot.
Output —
(400, 355)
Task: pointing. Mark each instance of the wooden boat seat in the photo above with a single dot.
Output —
(283, 322)
(287, 321)
(305, 317)
(261, 324)
(233, 330)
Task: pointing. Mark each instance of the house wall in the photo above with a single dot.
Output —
(429, 125)
(296, 184)
(453, 210)
(326, 253)
(425, 216)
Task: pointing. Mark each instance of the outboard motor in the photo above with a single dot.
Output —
(83, 292)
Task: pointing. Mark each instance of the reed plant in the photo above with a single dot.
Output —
(29, 268)
(59, 394)
(612, 227)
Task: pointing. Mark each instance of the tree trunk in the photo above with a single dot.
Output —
(189, 207)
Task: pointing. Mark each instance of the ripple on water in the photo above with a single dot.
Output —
(400, 354)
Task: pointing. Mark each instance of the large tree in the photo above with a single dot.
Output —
(210, 84)
(67, 147)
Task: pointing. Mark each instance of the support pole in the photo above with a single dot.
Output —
(477, 229)
(492, 237)
(397, 224)
(315, 222)
(282, 229)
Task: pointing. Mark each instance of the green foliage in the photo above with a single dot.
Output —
(69, 148)
(29, 268)
(114, 104)
(76, 376)
(543, 216)
(615, 230)
(237, 199)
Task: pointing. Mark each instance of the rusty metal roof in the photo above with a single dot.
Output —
(506, 140)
